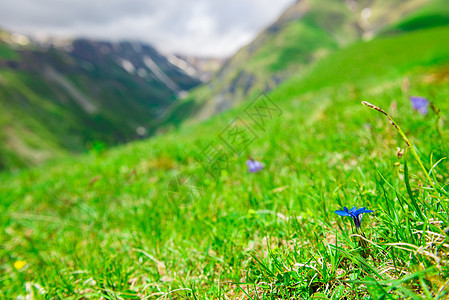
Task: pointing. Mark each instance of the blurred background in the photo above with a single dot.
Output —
(80, 75)
(85, 75)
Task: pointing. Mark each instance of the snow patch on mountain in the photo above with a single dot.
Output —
(160, 74)
(128, 66)
(72, 90)
(182, 64)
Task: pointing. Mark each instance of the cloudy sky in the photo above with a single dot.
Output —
(195, 27)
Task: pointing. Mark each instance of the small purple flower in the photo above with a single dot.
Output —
(420, 104)
(354, 213)
(254, 166)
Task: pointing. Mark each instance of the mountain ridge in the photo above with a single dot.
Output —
(306, 32)
(105, 92)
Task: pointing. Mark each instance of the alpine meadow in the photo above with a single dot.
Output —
(313, 165)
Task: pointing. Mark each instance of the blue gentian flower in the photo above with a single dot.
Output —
(354, 213)
(254, 166)
(420, 104)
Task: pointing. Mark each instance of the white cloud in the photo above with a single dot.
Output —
(197, 27)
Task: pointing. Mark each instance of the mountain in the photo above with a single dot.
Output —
(202, 68)
(65, 96)
(305, 33)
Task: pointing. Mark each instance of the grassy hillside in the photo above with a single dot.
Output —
(307, 32)
(386, 57)
(433, 14)
(161, 219)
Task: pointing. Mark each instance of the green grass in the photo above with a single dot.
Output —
(116, 224)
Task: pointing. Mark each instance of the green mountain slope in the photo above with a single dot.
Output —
(367, 62)
(307, 32)
(147, 220)
(60, 99)
(433, 14)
